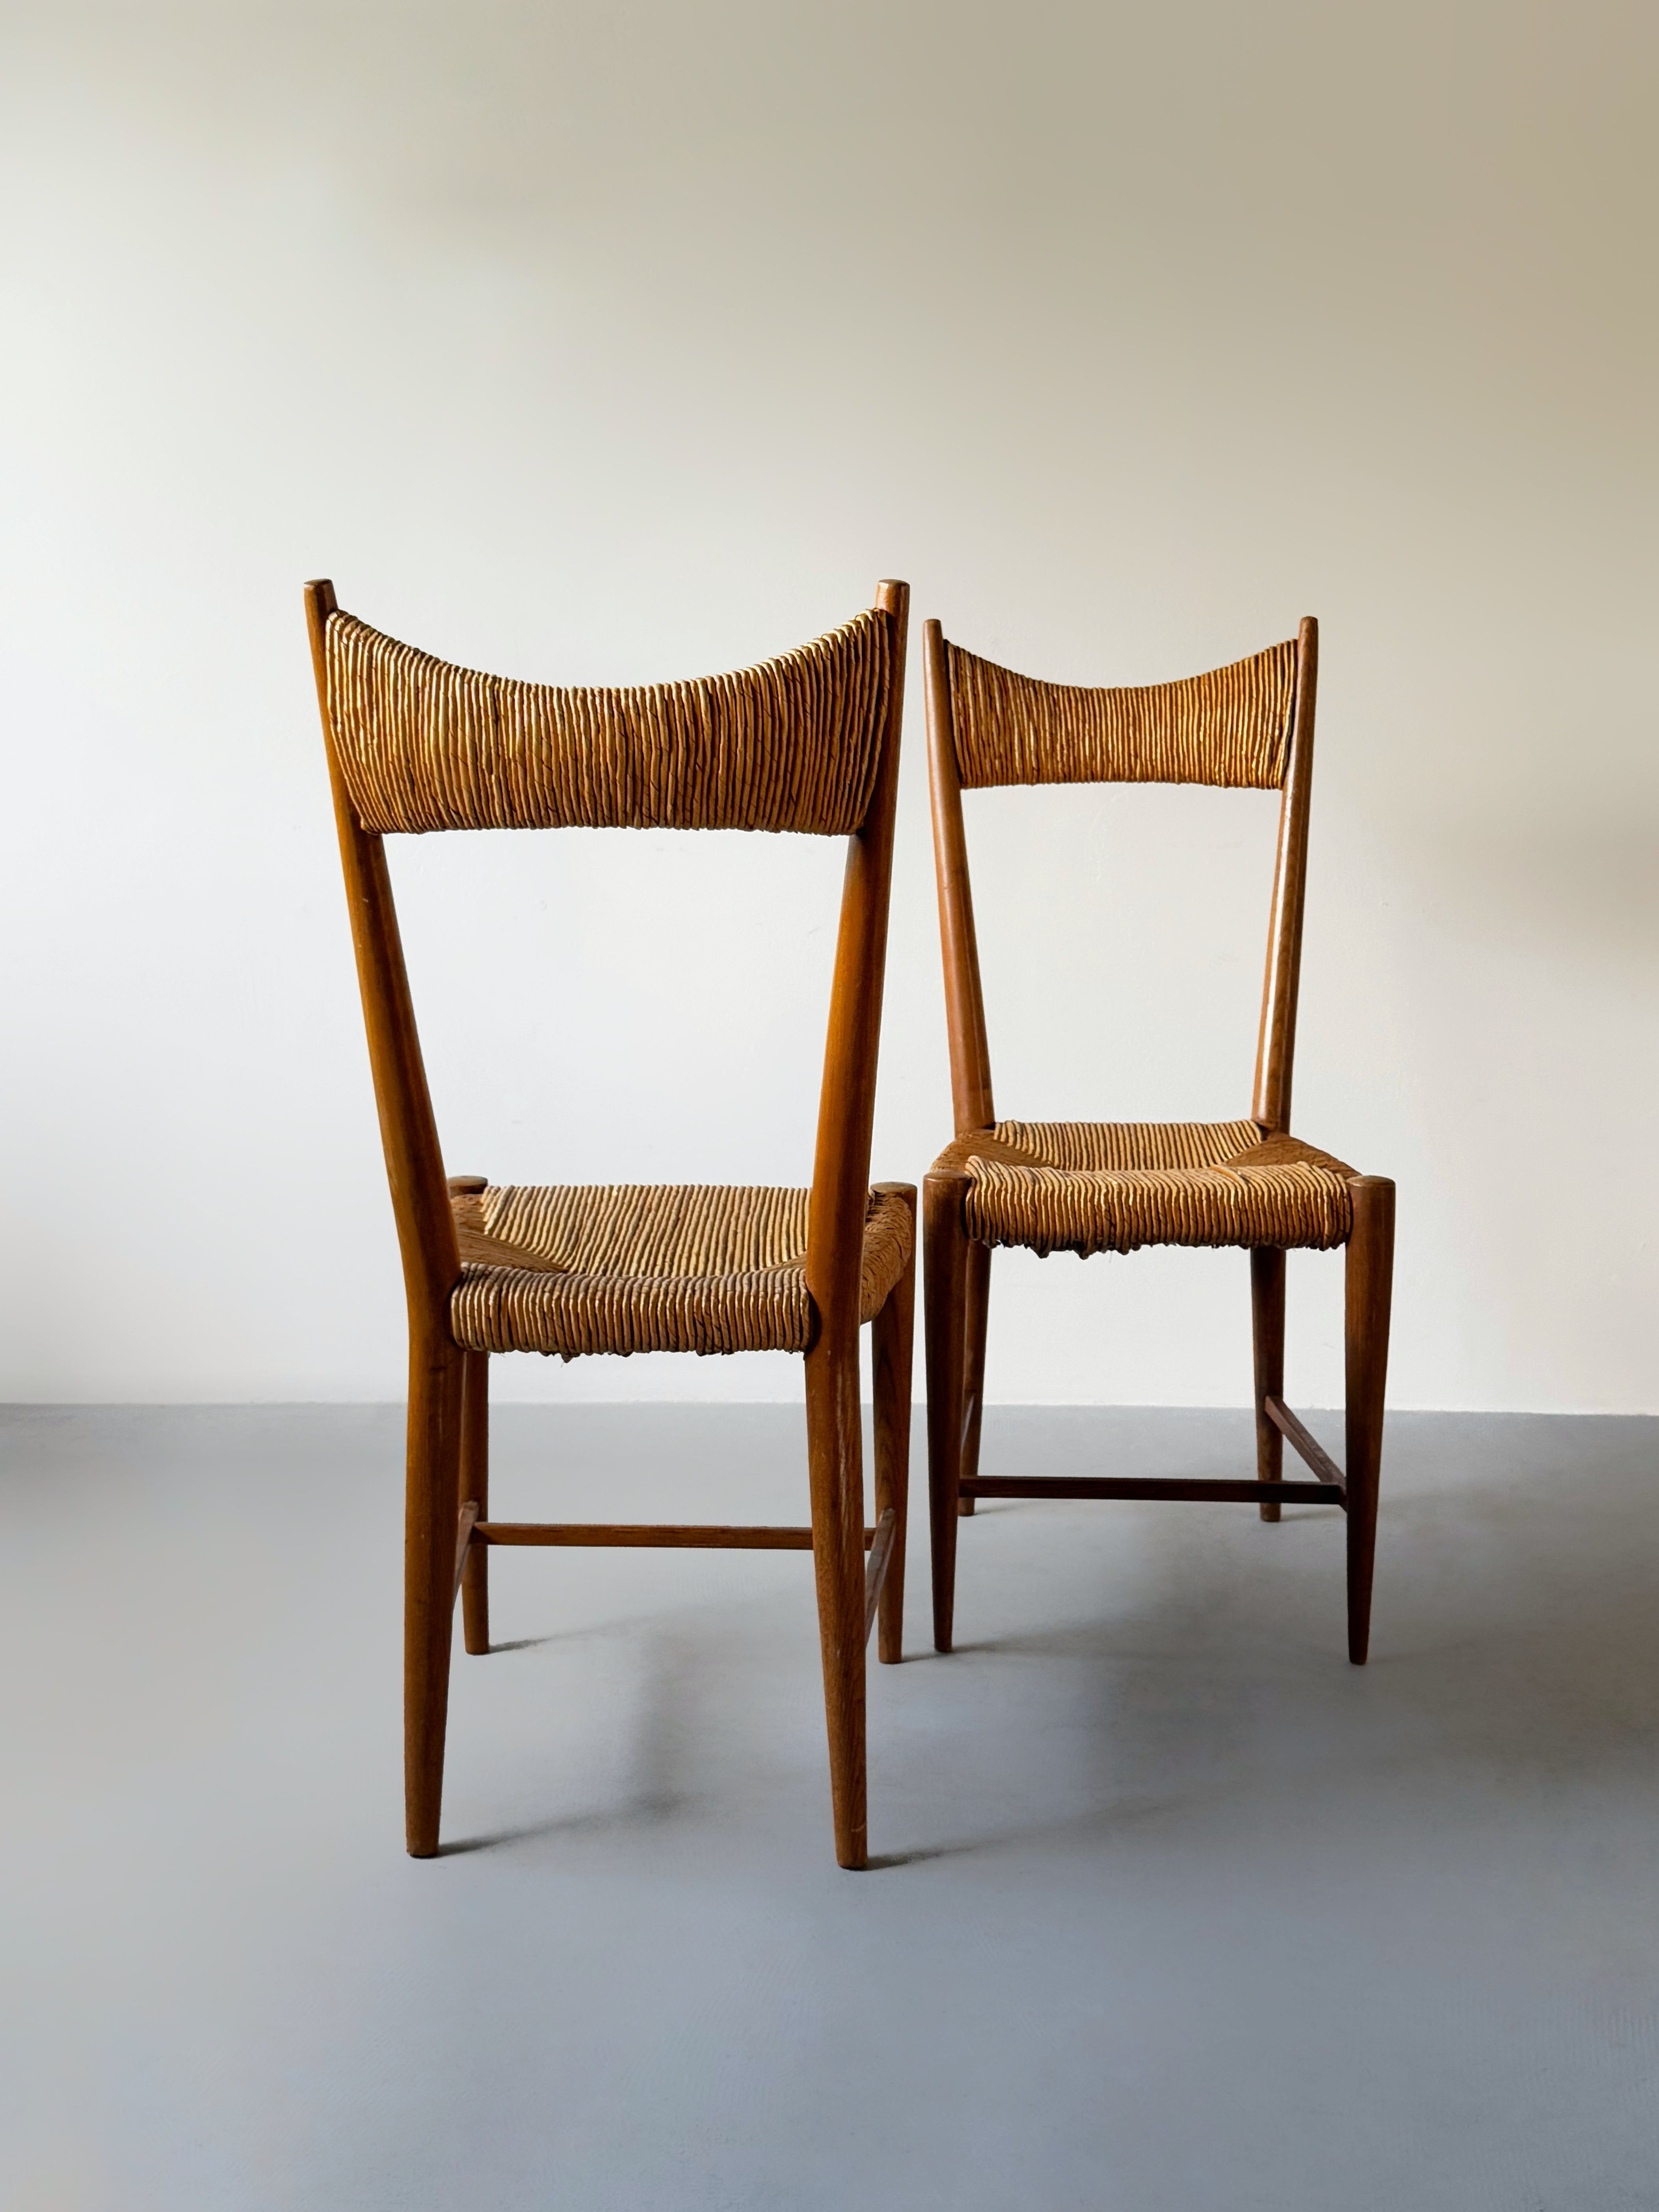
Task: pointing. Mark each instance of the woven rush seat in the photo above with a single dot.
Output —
(1089, 1187)
(629, 1268)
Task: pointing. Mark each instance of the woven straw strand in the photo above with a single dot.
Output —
(626, 1268)
(1106, 1145)
(1089, 1186)
(1056, 1210)
(792, 744)
(1230, 726)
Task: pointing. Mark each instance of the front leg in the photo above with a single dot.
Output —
(1370, 1296)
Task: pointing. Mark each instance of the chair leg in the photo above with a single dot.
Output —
(431, 1508)
(1267, 1333)
(891, 1345)
(836, 1467)
(977, 1301)
(475, 1484)
(1369, 1290)
(946, 1249)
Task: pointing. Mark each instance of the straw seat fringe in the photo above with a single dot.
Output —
(425, 745)
(1230, 726)
(1089, 1187)
(626, 1268)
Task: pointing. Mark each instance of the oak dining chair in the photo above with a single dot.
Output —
(808, 742)
(1095, 1186)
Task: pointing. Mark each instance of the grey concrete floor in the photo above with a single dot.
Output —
(1176, 1910)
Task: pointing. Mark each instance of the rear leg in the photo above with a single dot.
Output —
(892, 1350)
(475, 1484)
(1267, 1331)
(978, 1302)
(946, 1249)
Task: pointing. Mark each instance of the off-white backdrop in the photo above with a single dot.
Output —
(618, 341)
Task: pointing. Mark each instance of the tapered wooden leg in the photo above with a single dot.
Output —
(1267, 1330)
(431, 1504)
(1369, 1292)
(977, 1303)
(835, 1448)
(891, 1336)
(475, 1484)
(946, 1249)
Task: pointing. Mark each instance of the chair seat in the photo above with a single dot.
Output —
(1088, 1187)
(634, 1267)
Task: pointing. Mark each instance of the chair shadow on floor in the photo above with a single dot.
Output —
(1517, 1645)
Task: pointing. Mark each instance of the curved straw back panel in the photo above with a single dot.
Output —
(791, 744)
(1231, 726)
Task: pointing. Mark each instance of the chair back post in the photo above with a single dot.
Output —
(965, 999)
(840, 1168)
(1276, 1047)
(408, 1130)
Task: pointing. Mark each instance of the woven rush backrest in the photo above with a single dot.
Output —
(1231, 726)
(793, 744)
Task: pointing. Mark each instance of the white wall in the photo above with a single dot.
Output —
(618, 341)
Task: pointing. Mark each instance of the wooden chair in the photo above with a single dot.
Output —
(808, 742)
(1113, 1186)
